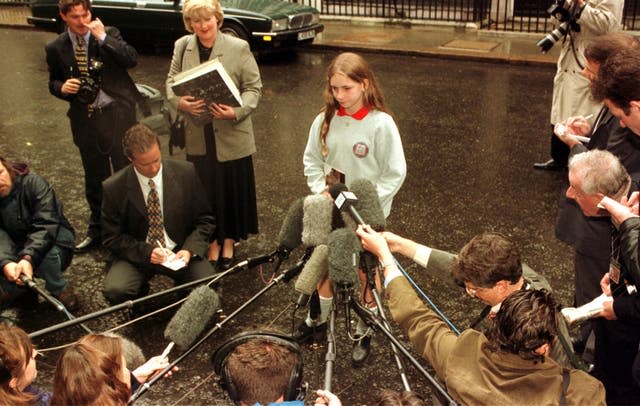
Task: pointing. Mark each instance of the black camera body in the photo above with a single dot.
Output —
(567, 14)
(90, 84)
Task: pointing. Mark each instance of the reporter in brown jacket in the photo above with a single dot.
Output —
(509, 366)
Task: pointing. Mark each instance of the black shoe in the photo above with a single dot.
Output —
(69, 299)
(87, 244)
(550, 165)
(360, 350)
(304, 333)
(225, 263)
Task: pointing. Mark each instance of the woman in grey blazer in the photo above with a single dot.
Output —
(221, 149)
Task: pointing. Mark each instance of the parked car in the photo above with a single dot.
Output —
(268, 25)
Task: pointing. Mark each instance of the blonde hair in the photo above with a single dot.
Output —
(201, 8)
(357, 69)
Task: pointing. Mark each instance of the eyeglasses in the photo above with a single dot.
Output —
(473, 290)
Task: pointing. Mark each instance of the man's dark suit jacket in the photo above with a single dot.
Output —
(187, 216)
(116, 55)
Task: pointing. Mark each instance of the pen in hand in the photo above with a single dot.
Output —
(166, 251)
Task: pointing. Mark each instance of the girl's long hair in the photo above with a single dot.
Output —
(357, 69)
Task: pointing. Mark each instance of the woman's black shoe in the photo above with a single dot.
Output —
(225, 263)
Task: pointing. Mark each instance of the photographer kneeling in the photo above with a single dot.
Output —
(508, 366)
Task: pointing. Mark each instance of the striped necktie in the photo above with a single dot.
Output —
(155, 234)
(83, 63)
(81, 56)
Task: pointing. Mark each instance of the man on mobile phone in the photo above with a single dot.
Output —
(88, 68)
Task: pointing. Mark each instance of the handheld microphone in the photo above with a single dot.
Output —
(315, 269)
(337, 218)
(316, 220)
(192, 317)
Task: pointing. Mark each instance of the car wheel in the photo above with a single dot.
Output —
(235, 30)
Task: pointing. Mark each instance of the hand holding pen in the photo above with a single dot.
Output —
(160, 254)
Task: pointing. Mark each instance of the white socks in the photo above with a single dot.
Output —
(325, 308)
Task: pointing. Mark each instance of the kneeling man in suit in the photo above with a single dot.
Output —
(153, 211)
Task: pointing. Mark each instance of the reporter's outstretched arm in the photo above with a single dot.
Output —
(326, 398)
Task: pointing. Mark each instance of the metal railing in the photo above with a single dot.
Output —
(502, 15)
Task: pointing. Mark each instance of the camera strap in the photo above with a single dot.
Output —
(575, 53)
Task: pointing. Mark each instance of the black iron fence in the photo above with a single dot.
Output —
(503, 15)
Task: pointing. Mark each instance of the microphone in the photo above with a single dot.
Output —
(192, 317)
(289, 238)
(290, 235)
(292, 272)
(28, 282)
(344, 256)
(131, 351)
(316, 220)
(337, 220)
(255, 261)
(312, 273)
(368, 204)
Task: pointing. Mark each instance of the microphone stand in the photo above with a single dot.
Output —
(131, 303)
(330, 356)
(373, 322)
(285, 277)
(370, 267)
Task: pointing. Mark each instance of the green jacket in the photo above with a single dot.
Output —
(476, 376)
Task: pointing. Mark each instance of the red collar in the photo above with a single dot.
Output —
(358, 115)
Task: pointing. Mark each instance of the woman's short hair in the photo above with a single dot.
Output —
(201, 8)
(90, 372)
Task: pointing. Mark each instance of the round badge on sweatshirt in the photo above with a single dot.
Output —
(360, 149)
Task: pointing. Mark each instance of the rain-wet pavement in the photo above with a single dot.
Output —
(470, 131)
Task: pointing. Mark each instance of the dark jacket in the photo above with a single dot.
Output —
(32, 217)
(627, 308)
(187, 215)
(117, 56)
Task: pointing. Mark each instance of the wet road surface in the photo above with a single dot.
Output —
(470, 131)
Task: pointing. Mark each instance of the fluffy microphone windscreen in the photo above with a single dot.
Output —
(314, 270)
(316, 221)
(192, 317)
(344, 256)
(368, 204)
(133, 354)
(290, 235)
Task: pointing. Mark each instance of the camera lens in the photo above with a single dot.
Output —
(551, 38)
